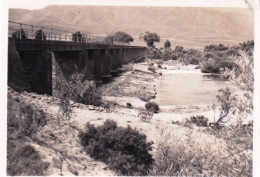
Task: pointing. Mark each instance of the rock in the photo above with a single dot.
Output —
(91, 107)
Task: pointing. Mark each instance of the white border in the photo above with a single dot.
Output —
(36, 4)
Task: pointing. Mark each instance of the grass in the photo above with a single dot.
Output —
(23, 120)
(231, 155)
(24, 160)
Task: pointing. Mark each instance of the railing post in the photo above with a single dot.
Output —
(32, 32)
(32, 36)
(20, 34)
(42, 33)
(51, 33)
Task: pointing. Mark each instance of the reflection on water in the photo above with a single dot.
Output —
(189, 89)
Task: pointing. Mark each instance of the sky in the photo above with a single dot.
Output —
(38, 4)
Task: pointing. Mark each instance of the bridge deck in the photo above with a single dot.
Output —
(34, 44)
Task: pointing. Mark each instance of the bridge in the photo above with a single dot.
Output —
(39, 56)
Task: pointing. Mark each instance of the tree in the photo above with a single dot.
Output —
(150, 38)
(40, 35)
(167, 44)
(120, 36)
(179, 48)
(19, 34)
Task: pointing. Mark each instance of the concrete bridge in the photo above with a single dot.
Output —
(38, 56)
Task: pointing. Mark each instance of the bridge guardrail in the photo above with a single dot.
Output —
(34, 32)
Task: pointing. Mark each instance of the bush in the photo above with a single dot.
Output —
(124, 150)
(167, 54)
(79, 90)
(199, 120)
(151, 68)
(154, 53)
(152, 107)
(210, 67)
(190, 157)
(194, 61)
(145, 115)
(25, 161)
(30, 119)
(129, 105)
(65, 107)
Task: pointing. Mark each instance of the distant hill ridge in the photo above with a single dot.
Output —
(178, 23)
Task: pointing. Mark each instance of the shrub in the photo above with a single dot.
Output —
(129, 105)
(210, 67)
(167, 54)
(194, 61)
(154, 53)
(109, 105)
(64, 105)
(152, 107)
(79, 90)
(25, 161)
(151, 68)
(199, 120)
(145, 115)
(125, 150)
(190, 157)
(30, 119)
(167, 44)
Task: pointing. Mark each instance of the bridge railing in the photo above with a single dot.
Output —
(34, 32)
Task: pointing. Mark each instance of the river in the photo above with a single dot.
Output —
(189, 89)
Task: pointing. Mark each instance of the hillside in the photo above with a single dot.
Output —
(202, 25)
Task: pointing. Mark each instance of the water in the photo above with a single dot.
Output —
(189, 89)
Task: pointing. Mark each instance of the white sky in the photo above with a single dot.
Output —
(38, 4)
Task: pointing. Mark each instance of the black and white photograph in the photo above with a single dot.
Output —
(130, 88)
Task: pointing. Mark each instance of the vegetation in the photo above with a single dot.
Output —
(150, 38)
(19, 34)
(79, 90)
(23, 120)
(145, 115)
(154, 53)
(167, 54)
(190, 157)
(40, 35)
(152, 107)
(167, 44)
(129, 105)
(120, 36)
(24, 160)
(199, 120)
(125, 150)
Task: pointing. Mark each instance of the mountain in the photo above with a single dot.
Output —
(193, 25)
